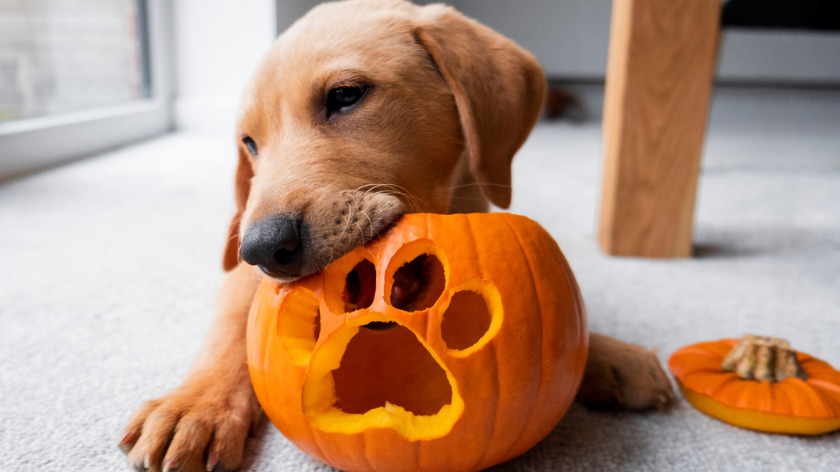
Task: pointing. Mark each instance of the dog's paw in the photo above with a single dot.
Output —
(622, 375)
(200, 426)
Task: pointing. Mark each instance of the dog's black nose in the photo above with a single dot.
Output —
(274, 244)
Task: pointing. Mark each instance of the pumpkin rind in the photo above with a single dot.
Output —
(791, 406)
(508, 389)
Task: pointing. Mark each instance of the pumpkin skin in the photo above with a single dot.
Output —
(790, 406)
(475, 378)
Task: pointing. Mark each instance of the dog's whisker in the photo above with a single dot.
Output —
(361, 233)
(370, 222)
(325, 261)
(355, 219)
(473, 199)
(349, 212)
(346, 223)
(476, 184)
(412, 201)
(371, 189)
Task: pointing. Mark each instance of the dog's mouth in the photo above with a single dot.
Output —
(356, 218)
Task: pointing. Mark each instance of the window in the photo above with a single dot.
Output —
(78, 77)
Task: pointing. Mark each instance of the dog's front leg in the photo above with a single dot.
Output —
(202, 424)
(623, 375)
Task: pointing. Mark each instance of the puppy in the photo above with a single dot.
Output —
(360, 112)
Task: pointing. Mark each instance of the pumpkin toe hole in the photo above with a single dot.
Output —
(360, 286)
(472, 318)
(465, 321)
(418, 283)
(390, 366)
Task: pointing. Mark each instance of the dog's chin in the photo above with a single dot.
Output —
(287, 277)
(282, 279)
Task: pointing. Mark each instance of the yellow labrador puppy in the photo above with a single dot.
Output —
(362, 111)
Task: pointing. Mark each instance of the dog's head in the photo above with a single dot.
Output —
(364, 110)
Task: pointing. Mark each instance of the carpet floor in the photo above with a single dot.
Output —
(108, 269)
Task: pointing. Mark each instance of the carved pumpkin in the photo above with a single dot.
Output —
(759, 383)
(451, 343)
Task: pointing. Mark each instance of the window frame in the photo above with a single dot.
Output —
(32, 144)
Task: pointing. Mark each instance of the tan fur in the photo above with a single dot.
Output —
(449, 104)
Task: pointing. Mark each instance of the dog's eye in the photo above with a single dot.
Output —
(343, 97)
(250, 144)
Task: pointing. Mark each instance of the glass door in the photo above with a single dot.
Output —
(78, 77)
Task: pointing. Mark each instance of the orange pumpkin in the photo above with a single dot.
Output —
(806, 400)
(451, 343)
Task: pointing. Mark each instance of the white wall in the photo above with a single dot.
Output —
(218, 43)
(780, 57)
(290, 10)
(570, 38)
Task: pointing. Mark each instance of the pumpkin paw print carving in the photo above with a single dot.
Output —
(375, 348)
(423, 339)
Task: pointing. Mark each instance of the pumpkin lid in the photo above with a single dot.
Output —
(816, 394)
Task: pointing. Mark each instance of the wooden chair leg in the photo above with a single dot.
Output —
(659, 78)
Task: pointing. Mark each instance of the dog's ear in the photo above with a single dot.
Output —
(499, 89)
(242, 187)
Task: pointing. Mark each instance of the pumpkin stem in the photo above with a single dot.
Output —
(763, 358)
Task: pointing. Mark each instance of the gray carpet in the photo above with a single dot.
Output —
(108, 269)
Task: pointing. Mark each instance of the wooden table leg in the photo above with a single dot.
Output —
(659, 79)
